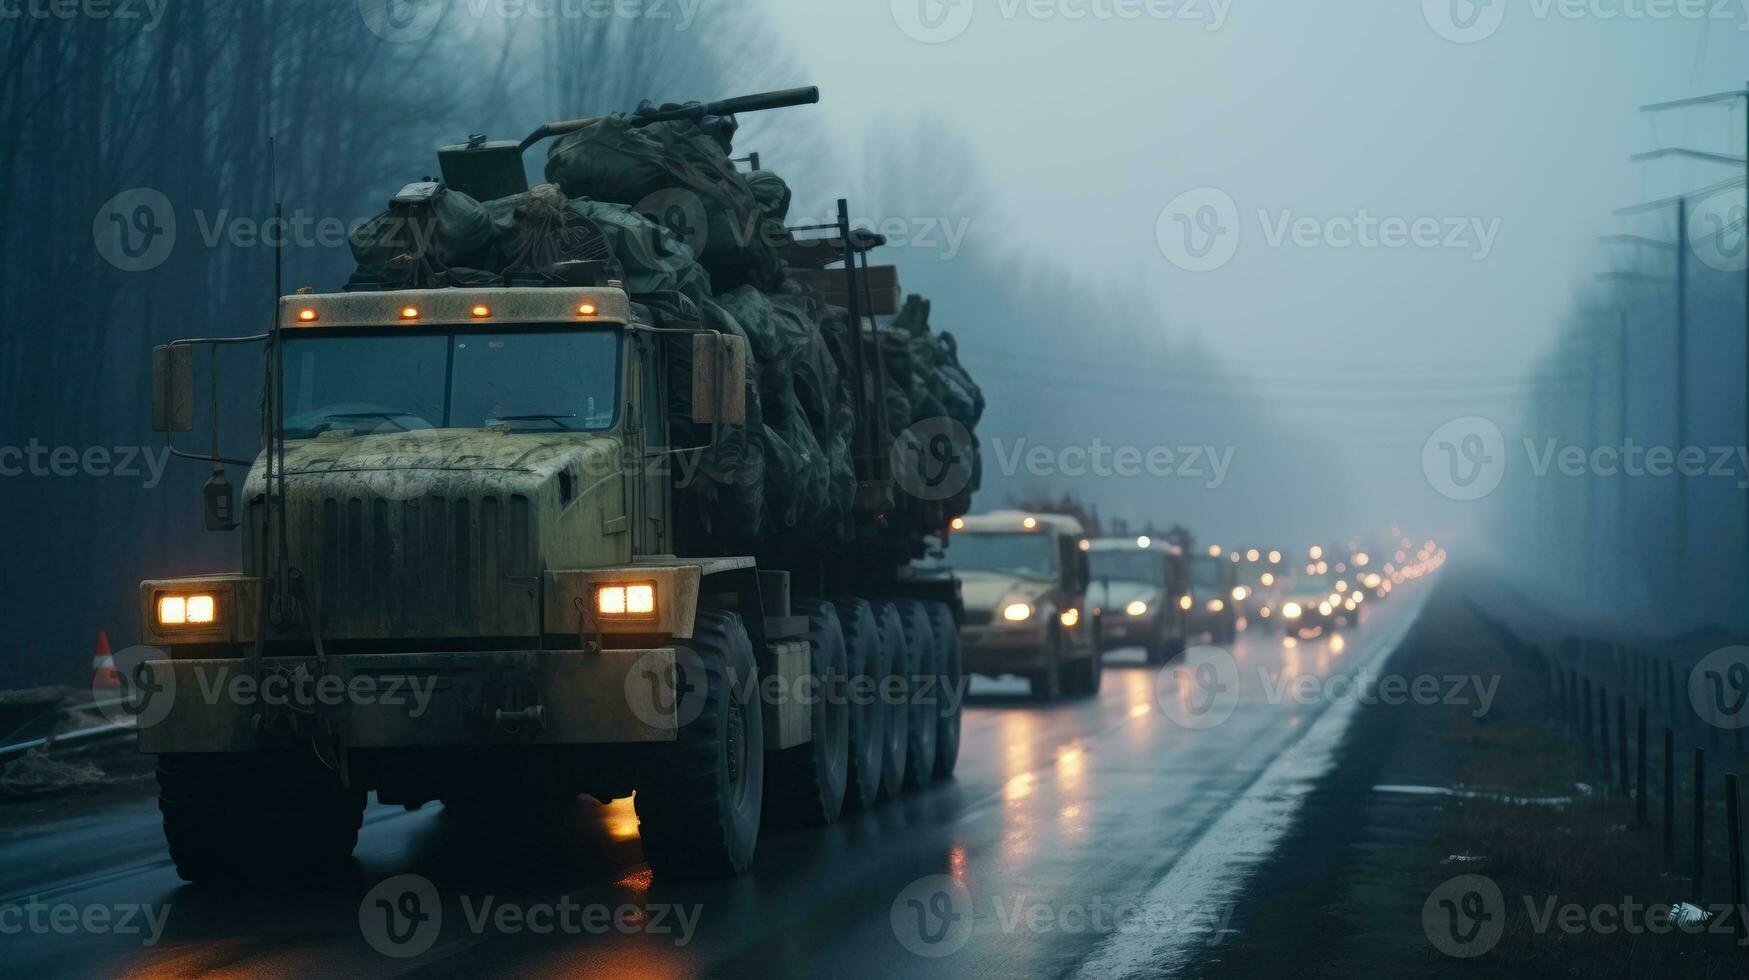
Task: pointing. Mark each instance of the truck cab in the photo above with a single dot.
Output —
(1214, 575)
(1024, 581)
(1136, 585)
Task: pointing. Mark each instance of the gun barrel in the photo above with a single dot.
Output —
(746, 103)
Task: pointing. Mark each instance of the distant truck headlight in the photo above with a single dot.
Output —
(637, 599)
(200, 609)
(1292, 610)
(1136, 608)
(1017, 612)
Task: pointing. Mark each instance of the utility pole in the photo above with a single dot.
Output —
(1682, 556)
(1718, 98)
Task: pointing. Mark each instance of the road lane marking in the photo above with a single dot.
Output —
(1210, 873)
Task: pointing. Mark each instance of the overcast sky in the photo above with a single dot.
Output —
(1090, 127)
(1512, 138)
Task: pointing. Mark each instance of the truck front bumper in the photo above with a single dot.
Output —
(1127, 631)
(412, 700)
(992, 651)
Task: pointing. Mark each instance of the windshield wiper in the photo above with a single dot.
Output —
(330, 418)
(553, 417)
(388, 417)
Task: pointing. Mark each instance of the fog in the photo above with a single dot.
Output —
(1109, 212)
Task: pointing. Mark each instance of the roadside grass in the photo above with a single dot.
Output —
(1356, 889)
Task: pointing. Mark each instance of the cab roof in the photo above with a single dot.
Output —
(444, 307)
(1015, 520)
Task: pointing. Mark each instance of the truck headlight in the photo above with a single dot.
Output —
(1017, 612)
(199, 609)
(1292, 610)
(1136, 608)
(638, 599)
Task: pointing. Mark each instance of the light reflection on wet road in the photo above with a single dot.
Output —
(1058, 812)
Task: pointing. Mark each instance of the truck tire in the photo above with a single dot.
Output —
(1159, 650)
(895, 690)
(926, 701)
(1047, 681)
(805, 784)
(952, 687)
(1081, 678)
(254, 817)
(867, 661)
(699, 808)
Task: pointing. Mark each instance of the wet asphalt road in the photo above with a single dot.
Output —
(1100, 837)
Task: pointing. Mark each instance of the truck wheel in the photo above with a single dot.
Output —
(249, 817)
(867, 662)
(806, 784)
(925, 701)
(698, 811)
(895, 690)
(1047, 682)
(952, 687)
(1159, 650)
(1081, 678)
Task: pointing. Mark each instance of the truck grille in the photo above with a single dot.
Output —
(428, 567)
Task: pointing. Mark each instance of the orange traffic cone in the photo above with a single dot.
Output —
(103, 672)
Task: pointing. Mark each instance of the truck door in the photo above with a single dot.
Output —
(650, 484)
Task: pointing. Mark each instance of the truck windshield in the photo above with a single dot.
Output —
(1032, 555)
(1205, 572)
(522, 380)
(1128, 566)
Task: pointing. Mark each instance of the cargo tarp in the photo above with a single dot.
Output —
(788, 474)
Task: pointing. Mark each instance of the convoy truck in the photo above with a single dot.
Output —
(462, 580)
(1137, 583)
(1026, 580)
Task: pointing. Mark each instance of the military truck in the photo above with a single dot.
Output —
(1135, 591)
(1025, 581)
(1209, 601)
(464, 578)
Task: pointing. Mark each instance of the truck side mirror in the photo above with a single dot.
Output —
(220, 501)
(172, 389)
(719, 378)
